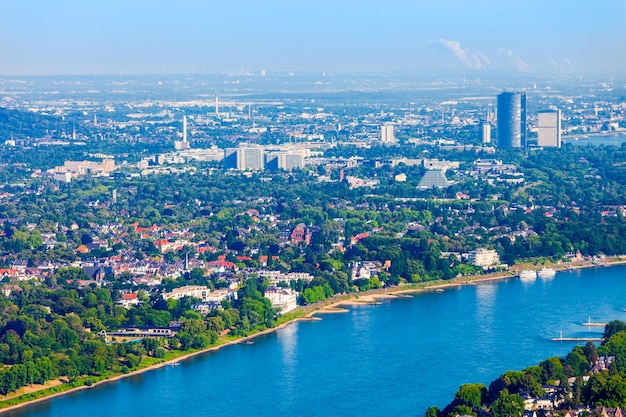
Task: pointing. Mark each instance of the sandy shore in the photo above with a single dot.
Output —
(373, 296)
(332, 307)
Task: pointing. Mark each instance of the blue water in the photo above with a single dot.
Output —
(393, 359)
(597, 140)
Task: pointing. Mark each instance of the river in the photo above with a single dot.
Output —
(392, 359)
(597, 140)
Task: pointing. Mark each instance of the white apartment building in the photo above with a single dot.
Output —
(484, 258)
(284, 299)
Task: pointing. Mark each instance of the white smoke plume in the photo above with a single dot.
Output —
(519, 63)
(472, 60)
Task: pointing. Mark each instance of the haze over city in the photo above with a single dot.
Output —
(154, 37)
(189, 189)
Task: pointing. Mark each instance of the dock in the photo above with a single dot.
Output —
(593, 324)
(576, 339)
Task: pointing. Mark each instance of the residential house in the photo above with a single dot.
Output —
(128, 300)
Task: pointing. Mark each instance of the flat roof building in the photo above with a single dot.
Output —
(388, 133)
(549, 128)
(245, 157)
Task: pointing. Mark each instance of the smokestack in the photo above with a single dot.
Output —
(184, 128)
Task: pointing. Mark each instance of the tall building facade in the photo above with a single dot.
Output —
(245, 157)
(486, 132)
(388, 133)
(549, 128)
(512, 120)
(287, 160)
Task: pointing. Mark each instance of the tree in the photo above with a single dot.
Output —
(591, 352)
(201, 341)
(193, 326)
(461, 410)
(473, 395)
(577, 361)
(185, 340)
(613, 327)
(552, 369)
(432, 412)
(507, 405)
(160, 352)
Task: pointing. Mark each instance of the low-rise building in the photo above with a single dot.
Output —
(128, 300)
(201, 292)
(284, 299)
(277, 276)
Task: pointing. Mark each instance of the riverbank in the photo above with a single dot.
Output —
(308, 313)
(154, 366)
(373, 296)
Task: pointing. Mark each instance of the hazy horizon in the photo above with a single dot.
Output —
(71, 37)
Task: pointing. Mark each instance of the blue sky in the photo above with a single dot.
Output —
(185, 36)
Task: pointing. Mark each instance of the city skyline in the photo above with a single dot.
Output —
(71, 37)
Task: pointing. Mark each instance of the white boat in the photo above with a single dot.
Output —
(546, 272)
(528, 275)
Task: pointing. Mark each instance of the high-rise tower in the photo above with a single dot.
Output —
(512, 120)
(486, 132)
(549, 128)
(245, 157)
(388, 133)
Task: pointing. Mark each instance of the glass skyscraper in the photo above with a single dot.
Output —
(512, 120)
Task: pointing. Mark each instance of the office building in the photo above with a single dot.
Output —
(512, 120)
(287, 160)
(486, 132)
(549, 128)
(388, 133)
(245, 157)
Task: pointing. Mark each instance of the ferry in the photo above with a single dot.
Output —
(527, 275)
(546, 272)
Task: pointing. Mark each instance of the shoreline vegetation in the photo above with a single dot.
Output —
(56, 388)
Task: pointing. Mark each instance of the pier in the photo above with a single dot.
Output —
(593, 324)
(576, 339)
